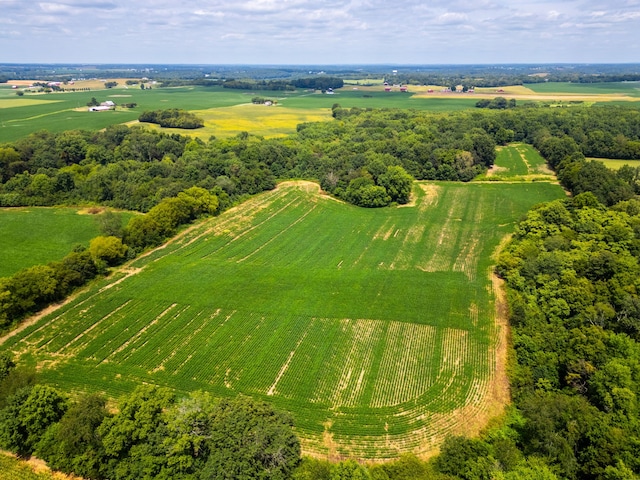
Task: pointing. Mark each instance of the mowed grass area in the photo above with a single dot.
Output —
(376, 328)
(616, 164)
(38, 235)
(518, 161)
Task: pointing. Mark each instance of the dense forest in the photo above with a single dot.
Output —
(133, 168)
(572, 274)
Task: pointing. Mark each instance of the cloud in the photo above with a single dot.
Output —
(452, 18)
(342, 31)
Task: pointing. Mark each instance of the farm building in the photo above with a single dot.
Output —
(108, 105)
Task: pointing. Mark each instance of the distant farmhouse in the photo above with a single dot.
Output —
(108, 105)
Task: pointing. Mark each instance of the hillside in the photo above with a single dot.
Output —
(376, 328)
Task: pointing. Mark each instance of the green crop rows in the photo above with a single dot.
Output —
(376, 328)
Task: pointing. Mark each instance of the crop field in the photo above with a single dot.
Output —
(38, 235)
(518, 161)
(266, 121)
(376, 328)
(57, 112)
(624, 93)
(611, 88)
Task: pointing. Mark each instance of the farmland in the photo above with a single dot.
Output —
(57, 112)
(616, 164)
(518, 161)
(376, 328)
(37, 235)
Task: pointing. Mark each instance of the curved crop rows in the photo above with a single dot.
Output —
(376, 328)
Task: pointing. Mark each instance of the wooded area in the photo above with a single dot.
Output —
(571, 271)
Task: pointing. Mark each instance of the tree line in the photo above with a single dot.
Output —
(33, 288)
(571, 269)
(154, 434)
(320, 82)
(172, 118)
(134, 169)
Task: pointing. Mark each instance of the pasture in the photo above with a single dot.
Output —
(376, 328)
(38, 235)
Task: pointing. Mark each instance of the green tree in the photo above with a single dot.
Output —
(466, 458)
(27, 416)
(349, 470)
(132, 439)
(73, 445)
(109, 250)
(312, 469)
(8, 155)
(30, 288)
(249, 440)
(6, 365)
(397, 183)
(532, 469)
(110, 224)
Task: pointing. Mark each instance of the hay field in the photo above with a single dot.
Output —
(267, 121)
(376, 328)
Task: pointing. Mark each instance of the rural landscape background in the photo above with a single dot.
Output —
(320, 272)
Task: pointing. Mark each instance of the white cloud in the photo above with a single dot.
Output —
(343, 31)
(208, 13)
(450, 18)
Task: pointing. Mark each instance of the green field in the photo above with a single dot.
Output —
(376, 328)
(66, 111)
(606, 88)
(616, 164)
(57, 112)
(518, 161)
(38, 235)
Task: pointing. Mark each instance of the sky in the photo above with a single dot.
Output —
(320, 32)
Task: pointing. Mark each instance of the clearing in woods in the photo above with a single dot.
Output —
(519, 162)
(376, 328)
